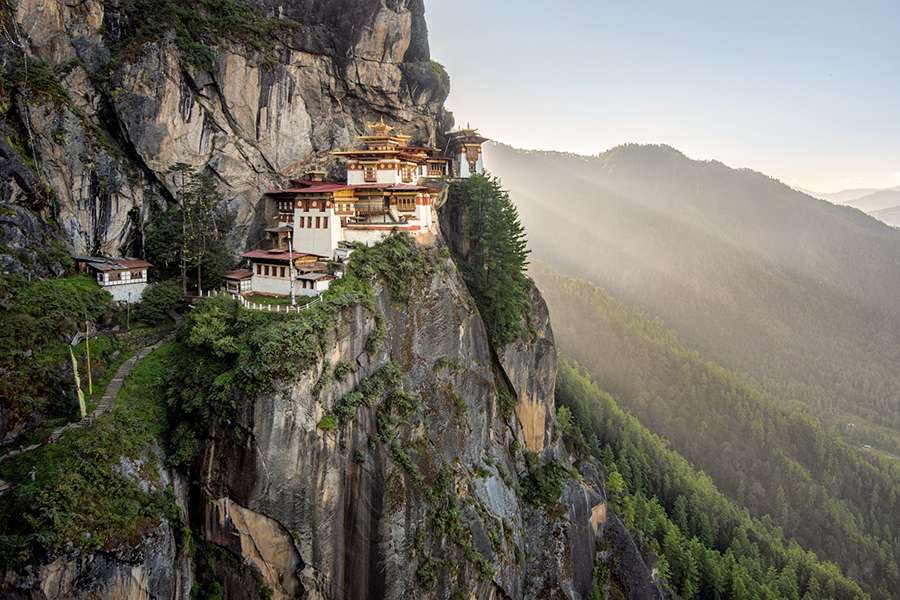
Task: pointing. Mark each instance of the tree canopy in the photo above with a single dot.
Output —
(494, 266)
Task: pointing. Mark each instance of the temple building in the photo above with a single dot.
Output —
(465, 148)
(124, 278)
(381, 194)
(384, 191)
(277, 272)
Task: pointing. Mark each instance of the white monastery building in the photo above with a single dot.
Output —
(124, 278)
(315, 220)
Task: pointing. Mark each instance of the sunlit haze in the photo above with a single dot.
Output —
(804, 91)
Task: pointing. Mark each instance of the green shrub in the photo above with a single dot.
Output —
(506, 402)
(396, 261)
(158, 301)
(38, 79)
(428, 75)
(542, 485)
(342, 370)
(59, 307)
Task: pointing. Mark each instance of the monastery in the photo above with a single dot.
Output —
(317, 221)
(124, 278)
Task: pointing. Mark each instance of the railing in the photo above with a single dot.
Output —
(122, 281)
(275, 308)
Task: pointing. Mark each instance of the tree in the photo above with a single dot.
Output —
(157, 301)
(494, 267)
(188, 237)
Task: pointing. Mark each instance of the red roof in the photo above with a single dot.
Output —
(102, 263)
(239, 274)
(275, 255)
(325, 188)
(313, 188)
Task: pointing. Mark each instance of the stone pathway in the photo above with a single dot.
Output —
(107, 401)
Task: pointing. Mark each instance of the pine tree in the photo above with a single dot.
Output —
(494, 267)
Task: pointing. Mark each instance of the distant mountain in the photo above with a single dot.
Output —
(876, 201)
(842, 197)
(773, 460)
(796, 292)
(891, 215)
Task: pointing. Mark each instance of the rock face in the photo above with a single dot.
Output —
(103, 143)
(430, 503)
(348, 518)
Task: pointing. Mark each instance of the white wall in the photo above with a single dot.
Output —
(423, 214)
(365, 236)
(389, 175)
(320, 241)
(120, 291)
(464, 165)
(272, 285)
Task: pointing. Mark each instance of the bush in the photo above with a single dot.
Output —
(428, 75)
(58, 307)
(158, 301)
(543, 484)
(38, 79)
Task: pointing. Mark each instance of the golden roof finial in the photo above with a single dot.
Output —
(380, 128)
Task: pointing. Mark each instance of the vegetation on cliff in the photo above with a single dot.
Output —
(37, 322)
(196, 27)
(708, 546)
(97, 487)
(230, 353)
(776, 461)
(188, 240)
(494, 263)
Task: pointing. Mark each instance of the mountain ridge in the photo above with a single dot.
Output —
(721, 254)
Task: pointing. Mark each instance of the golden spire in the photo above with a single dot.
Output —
(380, 128)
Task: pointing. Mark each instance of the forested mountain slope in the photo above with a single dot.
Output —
(709, 546)
(838, 501)
(795, 291)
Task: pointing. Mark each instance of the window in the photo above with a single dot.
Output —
(281, 272)
(267, 270)
(318, 222)
(325, 222)
(309, 222)
(301, 222)
(259, 269)
(370, 175)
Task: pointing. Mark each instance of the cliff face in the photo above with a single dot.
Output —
(433, 487)
(95, 112)
(426, 507)
(452, 482)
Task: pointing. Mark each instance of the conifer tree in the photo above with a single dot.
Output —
(494, 267)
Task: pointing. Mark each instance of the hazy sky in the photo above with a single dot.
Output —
(805, 91)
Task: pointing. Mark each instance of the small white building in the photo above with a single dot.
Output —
(275, 272)
(239, 281)
(313, 284)
(465, 148)
(124, 278)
